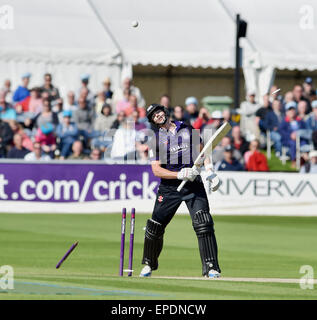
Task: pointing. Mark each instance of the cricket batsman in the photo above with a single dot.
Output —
(172, 152)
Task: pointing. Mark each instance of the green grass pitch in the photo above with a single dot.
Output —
(249, 247)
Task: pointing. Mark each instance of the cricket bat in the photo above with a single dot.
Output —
(209, 146)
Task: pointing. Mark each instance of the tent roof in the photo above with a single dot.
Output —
(55, 31)
(283, 32)
(187, 33)
(174, 32)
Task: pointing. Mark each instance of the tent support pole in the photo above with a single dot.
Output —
(106, 28)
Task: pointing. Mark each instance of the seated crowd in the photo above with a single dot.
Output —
(38, 124)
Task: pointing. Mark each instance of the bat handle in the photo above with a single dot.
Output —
(180, 187)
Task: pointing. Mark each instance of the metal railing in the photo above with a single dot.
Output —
(284, 157)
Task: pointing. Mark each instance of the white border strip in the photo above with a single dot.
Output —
(270, 280)
(146, 206)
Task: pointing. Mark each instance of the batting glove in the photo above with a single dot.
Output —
(188, 174)
(212, 178)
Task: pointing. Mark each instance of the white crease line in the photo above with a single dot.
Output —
(271, 280)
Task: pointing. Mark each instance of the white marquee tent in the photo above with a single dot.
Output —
(70, 37)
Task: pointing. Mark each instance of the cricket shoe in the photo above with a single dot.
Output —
(213, 274)
(146, 271)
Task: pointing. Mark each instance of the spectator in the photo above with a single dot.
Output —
(102, 125)
(22, 91)
(77, 149)
(104, 119)
(289, 97)
(124, 143)
(238, 142)
(133, 106)
(191, 113)
(203, 119)
(254, 159)
(276, 95)
(7, 90)
(45, 95)
(36, 155)
(58, 108)
(210, 128)
(100, 101)
(311, 124)
(308, 90)
(142, 152)
(178, 115)
(27, 123)
(218, 153)
(47, 115)
(288, 128)
(165, 101)
(310, 166)
(107, 89)
(84, 91)
(87, 95)
(84, 119)
(123, 103)
(17, 128)
(34, 102)
(136, 119)
(298, 96)
(18, 151)
(95, 154)
(313, 96)
(6, 136)
(20, 115)
(49, 88)
(71, 104)
(119, 120)
(127, 85)
(139, 130)
(226, 114)
(67, 132)
(247, 110)
(302, 110)
(6, 111)
(229, 163)
(45, 136)
(262, 112)
(271, 123)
